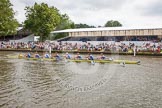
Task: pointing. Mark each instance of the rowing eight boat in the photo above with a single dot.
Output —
(78, 61)
(39, 59)
(107, 61)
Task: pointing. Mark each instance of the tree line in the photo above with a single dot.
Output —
(41, 19)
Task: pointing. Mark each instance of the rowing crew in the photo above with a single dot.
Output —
(100, 57)
(67, 56)
(37, 55)
(91, 57)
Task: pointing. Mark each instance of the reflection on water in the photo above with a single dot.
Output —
(41, 84)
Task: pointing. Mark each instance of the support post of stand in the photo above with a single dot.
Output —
(134, 50)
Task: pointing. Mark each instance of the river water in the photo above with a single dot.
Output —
(44, 84)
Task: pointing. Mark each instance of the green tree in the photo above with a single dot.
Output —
(83, 26)
(112, 23)
(8, 24)
(65, 23)
(42, 19)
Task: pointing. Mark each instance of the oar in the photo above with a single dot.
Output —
(92, 62)
(108, 59)
(122, 63)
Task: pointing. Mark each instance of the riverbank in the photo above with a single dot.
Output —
(84, 52)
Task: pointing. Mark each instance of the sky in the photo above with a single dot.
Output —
(131, 13)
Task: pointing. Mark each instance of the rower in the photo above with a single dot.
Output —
(28, 55)
(37, 55)
(102, 57)
(67, 56)
(46, 55)
(57, 56)
(78, 56)
(90, 57)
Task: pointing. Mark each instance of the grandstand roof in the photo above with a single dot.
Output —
(104, 29)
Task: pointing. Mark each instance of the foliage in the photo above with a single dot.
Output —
(65, 23)
(8, 24)
(60, 35)
(112, 23)
(83, 26)
(42, 19)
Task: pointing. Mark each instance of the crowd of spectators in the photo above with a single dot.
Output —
(85, 46)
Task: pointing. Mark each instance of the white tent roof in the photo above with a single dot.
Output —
(104, 29)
